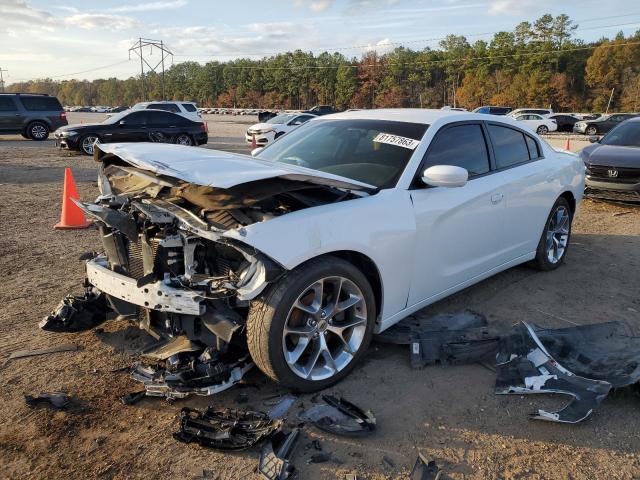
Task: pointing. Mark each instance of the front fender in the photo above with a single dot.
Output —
(381, 227)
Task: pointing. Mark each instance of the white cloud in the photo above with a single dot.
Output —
(513, 7)
(101, 20)
(147, 7)
(18, 14)
(383, 46)
(314, 5)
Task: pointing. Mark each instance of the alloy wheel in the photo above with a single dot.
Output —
(557, 234)
(38, 131)
(325, 328)
(542, 130)
(87, 144)
(183, 140)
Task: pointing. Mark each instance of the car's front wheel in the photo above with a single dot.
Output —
(86, 144)
(554, 241)
(591, 130)
(542, 129)
(310, 329)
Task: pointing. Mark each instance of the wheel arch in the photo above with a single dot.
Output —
(38, 120)
(568, 196)
(363, 263)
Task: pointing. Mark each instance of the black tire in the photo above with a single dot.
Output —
(591, 130)
(542, 260)
(81, 141)
(542, 129)
(269, 313)
(183, 139)
(38, 131)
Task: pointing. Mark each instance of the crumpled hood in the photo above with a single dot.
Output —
(215, 168)
(612, 156)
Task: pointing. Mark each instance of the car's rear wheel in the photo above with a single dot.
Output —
(86, 143)
(310, 329)
(554, 241)
(183, 139)
(38, 131)
(542, 129)
(591, 130)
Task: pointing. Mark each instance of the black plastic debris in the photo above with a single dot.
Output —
(275, 457)
(132, 398)
(280, 409)
(200, 373)
(321, 457)
(78, 313)
(425, 469)
(444, 338)
(54, 399)
(227, 429)
(340, 417)
(584, 362)
(67, 347)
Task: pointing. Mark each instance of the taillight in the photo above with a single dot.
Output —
(205, 127)
(63, 116)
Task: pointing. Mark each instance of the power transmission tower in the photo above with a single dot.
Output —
(2, 79)
(164, 54)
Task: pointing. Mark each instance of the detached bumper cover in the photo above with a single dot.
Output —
(157, 296)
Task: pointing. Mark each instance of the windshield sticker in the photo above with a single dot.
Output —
(397, 140)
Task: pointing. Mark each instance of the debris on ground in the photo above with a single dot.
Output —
(67, 347)
(280, 409)
(78, 313)
(320, 457)
(275, 457)
(228, 429)
(185, 373)
(133, 397)
(54, 399)
(444, 338)
(340, 417)
(425, 469)
(585, 362)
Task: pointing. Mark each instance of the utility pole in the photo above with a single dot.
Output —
(2, 79)
(164, 54)
(609, 102)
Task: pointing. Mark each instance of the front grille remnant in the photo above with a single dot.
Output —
(136, 265)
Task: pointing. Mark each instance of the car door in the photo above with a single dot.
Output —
(529, 186)
(458, 229)
(161, 126)
(9, 115)
(131, 128)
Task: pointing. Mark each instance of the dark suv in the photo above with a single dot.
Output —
(31, 115)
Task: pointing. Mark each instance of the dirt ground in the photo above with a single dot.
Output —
(450, 414)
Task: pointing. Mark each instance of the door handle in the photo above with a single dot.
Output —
(496, 198)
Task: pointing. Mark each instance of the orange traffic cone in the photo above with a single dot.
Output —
(72, 216)
(567, 144)
(254, 144)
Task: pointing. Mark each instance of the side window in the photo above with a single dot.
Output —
(161, 118)
(136, 118)
(509, 146)
(301, 119)
(41, 104)
(168, 107)
(7, 104)
(189, 107)
(532, 145)
(463, 146)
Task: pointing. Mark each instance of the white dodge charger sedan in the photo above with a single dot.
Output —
(340, 229)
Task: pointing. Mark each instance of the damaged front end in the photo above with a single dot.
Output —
(168, 267)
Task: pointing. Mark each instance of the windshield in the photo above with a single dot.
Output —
(370, 151)
(115, 118)
(626, 134)
(278, 119)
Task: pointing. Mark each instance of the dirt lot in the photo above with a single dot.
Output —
(448, 413)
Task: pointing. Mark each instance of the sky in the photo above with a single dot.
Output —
(65, 39)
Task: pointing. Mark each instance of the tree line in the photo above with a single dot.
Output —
(539, 63)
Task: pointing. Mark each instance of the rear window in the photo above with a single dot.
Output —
(189, 107)
(168, 107)
(7, 105)
(509, 146)
(41, 104)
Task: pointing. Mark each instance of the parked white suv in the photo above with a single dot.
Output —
(186, 109)
(543, 112)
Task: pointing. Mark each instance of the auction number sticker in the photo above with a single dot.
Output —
(397, 140)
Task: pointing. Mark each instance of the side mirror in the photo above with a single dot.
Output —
(594, 139)
(122, 122)
(445, 176)
(256, 151)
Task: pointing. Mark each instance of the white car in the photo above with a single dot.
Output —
(337, 231)
(275, 127)
(185, 109)
(537, 123)
(543, 112)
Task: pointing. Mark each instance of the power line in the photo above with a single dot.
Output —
(164, 54)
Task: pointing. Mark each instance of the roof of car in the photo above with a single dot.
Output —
(413, 115)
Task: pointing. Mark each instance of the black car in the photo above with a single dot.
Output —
(613, 163)
(491, 110)
(133, 126)
(321, 110)
(565, 122)
(602, 124)
(31, 115)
